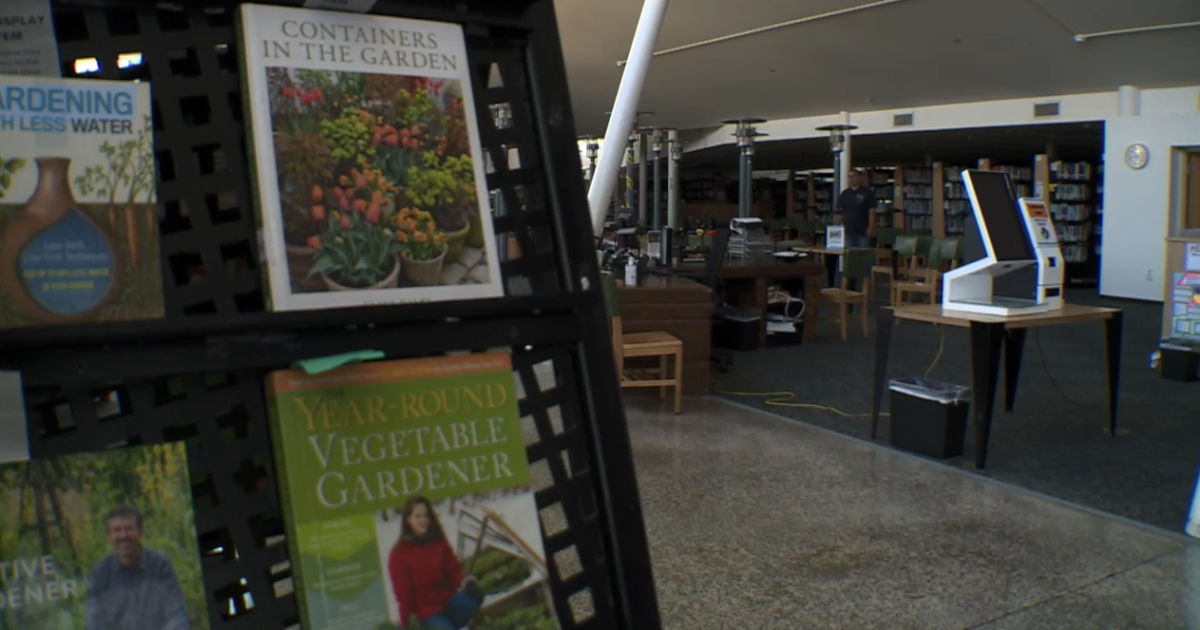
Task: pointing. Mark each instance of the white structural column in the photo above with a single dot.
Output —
(625, 108)
(846, 163)
(1129, 101)
(673, 191)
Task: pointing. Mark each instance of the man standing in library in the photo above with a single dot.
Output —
(856, 208)
(856, 213)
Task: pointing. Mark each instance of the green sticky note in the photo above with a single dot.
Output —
(332, 362)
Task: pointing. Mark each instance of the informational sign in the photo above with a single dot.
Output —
(1039, 218)
(27, 42)
(1185, 306)
(835, 237)
(14, 431)
(357, 6)
(1191, 257)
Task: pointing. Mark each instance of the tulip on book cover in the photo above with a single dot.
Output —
(407, 497)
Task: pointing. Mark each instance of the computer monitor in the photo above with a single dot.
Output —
(1002, 228)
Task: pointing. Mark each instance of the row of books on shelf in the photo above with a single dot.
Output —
(918, 175)
(918, 222)
(1072, 192)
(957, 206)
(1016, 173)
(407, 495)
(1079, 171)
(1074, 254)
(955, 224)
(952, 174)
(1078, 233)
(880, 178)
(1070, 212)
(918, 191)
(884, 192)
(918, 206)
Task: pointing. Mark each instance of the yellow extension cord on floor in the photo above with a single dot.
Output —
(780, 399)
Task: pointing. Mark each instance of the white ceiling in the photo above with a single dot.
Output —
(911, 53)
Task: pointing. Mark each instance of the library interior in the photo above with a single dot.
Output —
(903, 222)
(633, 315)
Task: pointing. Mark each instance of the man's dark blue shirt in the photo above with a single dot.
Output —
(142, 597)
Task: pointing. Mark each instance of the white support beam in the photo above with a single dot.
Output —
(625, 108)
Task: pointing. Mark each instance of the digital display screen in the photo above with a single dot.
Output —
(997, 205)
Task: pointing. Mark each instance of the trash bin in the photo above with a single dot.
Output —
(738, 329)
(929, 417)
(1179, 360)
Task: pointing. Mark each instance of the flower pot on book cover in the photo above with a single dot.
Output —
(58, 263)
(390, 282)
(425, 273)
(300, 260)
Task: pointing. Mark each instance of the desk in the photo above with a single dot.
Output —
(762, 270)
(988, 334)
(829, 258)
(681, 307)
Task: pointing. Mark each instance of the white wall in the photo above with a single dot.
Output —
(1136, 203)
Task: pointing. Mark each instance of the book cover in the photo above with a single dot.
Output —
(100, 541)
(407, 497)
(78, 213)
(367, 161)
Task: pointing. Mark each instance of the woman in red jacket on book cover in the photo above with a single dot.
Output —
(426, 577)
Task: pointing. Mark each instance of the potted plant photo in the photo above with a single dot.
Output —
(446, 186)
(354, 252)
(423, 246)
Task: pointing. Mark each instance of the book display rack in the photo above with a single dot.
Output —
(197, 374)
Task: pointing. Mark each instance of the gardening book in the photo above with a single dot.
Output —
(407, 496)
(100, 541)
(78, 214)
(368, 168)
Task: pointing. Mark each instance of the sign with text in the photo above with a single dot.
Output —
(27, 42)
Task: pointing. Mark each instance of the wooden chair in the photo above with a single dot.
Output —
(885, 243)
(856, 263)
(647, 344)
(905, 252)
(927, 280)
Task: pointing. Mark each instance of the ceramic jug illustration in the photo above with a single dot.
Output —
(57, 263)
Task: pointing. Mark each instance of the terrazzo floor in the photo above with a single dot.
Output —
(755, 521)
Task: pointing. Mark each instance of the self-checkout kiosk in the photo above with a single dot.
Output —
(1010, 243)
(1050, 260)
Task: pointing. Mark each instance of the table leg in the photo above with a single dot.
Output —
(1014, 349)
(986, 343)
(831, 270)
(884, 318)
(812, 306)
(760, 302)
(1112, 347)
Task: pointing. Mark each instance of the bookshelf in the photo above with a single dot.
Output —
(1069, 190)
(699, 191)
(955, 203)
(917, 200)
(883, 184)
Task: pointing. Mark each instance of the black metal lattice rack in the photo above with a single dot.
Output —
(197, 374)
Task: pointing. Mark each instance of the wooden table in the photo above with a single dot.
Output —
(989, 333)
(828, 256)
(681, 307)
(763, 270)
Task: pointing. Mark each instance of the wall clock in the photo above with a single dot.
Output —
(1136, 156)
